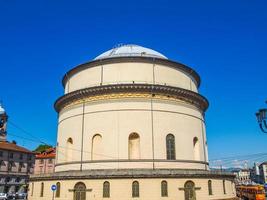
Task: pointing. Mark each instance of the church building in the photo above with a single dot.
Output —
(131, 125)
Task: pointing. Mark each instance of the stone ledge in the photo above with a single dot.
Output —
(175, 92)
(132, 173)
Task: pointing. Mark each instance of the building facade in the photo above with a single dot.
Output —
(131, 125)
(263, 173)
(243, 176)
(45, 161)
(16, 162)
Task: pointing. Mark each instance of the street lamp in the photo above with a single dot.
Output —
(262, 119)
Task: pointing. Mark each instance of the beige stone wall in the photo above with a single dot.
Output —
(121, 189)
(118, 73)
(115, 120)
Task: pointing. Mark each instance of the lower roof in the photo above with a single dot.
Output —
(10, 146)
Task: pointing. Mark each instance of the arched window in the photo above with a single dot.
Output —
(210, 187)
(69, 150)
(196, 148)
(164, 188)
(224, 190)
(42, 190)
(134, 146)
(135, 189)
(96, 153)
(58, 189)
(106, 189)
(189, 190)
(170, 147)
(79, 191)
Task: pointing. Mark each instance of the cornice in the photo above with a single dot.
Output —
(168, 91)
(166, 62)
(132, 173)
(133, 161)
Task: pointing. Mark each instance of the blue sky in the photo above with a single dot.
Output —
(224, 41)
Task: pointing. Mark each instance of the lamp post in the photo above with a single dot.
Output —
(262, 119)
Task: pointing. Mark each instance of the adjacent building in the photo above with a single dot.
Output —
(45, 161)
(131, 126)
(16, 162)
(263, 173)
(243, 176)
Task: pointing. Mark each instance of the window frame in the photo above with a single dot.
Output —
(210, 187)
(135, 189)
(106, 189)
(224, 188)
(170, 147)
(57, 195)
(42, 189)
(164, 188)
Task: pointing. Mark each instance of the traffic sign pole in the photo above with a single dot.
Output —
(53, 188)
(53, 195)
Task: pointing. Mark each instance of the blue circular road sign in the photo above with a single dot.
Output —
(53, 187)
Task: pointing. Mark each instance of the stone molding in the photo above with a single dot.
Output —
(168, 92)
(132, 160)
(132, 173)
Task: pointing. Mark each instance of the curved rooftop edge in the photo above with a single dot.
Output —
(186, 95)
(154, 60)
(132, 173)
(130, 50)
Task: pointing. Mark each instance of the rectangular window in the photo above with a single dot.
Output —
(11, 155)
(29, 169)
(2, 163)
(20, 166)
(21, 156)
(10, 165)
(1, 153)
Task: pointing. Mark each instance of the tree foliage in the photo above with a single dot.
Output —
(42, 147)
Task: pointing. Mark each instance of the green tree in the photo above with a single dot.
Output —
(42, 147)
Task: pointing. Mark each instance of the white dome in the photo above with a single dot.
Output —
(2, 110)
(130, 50)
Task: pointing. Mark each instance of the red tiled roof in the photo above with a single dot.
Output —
(38, 156)
(49, 153)
(13, 147)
